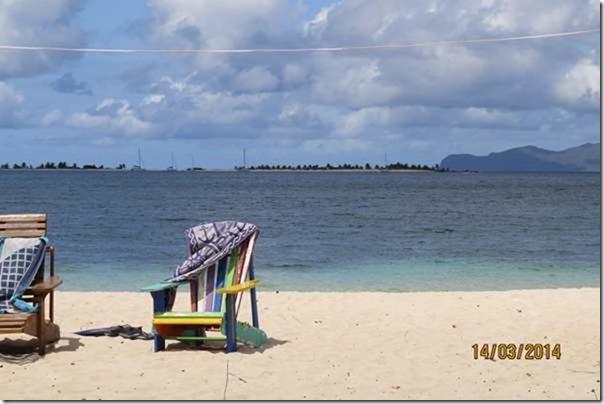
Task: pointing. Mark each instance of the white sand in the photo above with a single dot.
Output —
(331, 346)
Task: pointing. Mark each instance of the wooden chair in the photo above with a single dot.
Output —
(222, 286)
(35, 324)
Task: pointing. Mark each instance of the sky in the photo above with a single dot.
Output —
(414, 105)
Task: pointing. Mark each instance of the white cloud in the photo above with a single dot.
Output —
(351, 101)
(52, 117)
(335, 146)
(485, 116)
(153, 99)
(112, 117)
(540, 16)
(367, 118)
(28, 23)
(256, 79)
(8, 96)
(220, 24)
(352, 81)
(315, 26)
(580, 86)
(295, 73)
(12, 113)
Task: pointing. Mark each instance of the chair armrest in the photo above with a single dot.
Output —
(234, 289)
(156, 287)
(46, 286)
(50, 250)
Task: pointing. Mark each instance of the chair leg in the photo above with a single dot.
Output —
(230, 324)
(254, 308)
(51, 307)
(254, 301)
(159, 343)
(40, 328)
(162, 301)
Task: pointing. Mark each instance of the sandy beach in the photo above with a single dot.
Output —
(329, 346)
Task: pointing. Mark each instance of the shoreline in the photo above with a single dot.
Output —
(221, 170)
(335, 292)
(331, 345)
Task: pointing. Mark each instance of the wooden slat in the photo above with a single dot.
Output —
(244, 274)
(22, 233)
(189, 314)
(14, 317)
(26, 217)
(11, 330)
(234, 289)
(187, 321)
(12, 324)
(23, 225)
(46, 286)
(224, 263)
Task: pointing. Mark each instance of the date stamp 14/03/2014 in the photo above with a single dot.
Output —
(517, 351)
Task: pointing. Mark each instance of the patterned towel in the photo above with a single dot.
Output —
(20, 259)
(209, 243)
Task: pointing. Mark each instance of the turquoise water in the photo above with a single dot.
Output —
(325, 231)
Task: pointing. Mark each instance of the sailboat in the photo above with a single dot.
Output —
(244, 166)
(172, 167)
(138, 167)
(193, 166)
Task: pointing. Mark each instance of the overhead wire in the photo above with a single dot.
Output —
(298, 50)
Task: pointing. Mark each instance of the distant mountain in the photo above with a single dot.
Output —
(529, 158)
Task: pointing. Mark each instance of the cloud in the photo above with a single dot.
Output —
(68, 84)
(500, 75)
(113, 117)
(580, 86)
(153, 99)
(489, 117)
(51, 118)
(223, 24)
(421, 99)
(28, 23)
(256, 79)
(12, 112)
(137, 77)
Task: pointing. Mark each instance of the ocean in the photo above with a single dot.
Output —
(324, 231)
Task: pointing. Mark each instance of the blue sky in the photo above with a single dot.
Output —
(418, 105)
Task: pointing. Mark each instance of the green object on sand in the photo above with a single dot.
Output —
(248, 334)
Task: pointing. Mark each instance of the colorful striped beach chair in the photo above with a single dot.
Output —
(216, 293)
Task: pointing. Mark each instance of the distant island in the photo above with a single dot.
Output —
(346, 167)
(262, 167)
(584, 158)
(58, 166)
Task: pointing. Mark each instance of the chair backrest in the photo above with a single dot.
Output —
(26, 225)
(23, 225)
(230, 270)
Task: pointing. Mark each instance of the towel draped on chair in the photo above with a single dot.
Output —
(20, 259)
(209, 243)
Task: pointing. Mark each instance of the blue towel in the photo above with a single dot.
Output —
(20, 259)
(209, 243)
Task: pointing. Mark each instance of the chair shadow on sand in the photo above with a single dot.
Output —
(215, 348)
(24, 350)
